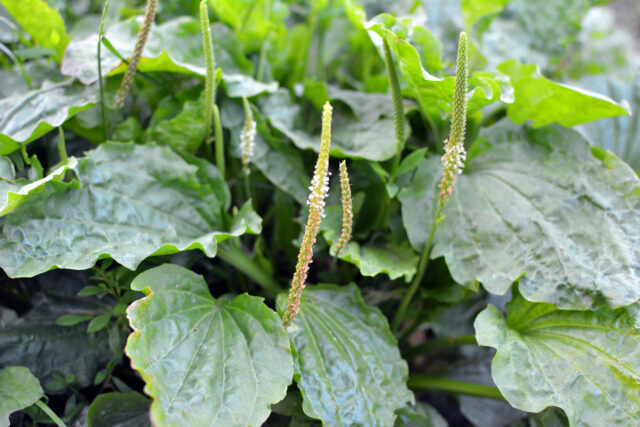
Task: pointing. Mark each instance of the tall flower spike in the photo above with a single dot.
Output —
(347, 208)
(143, 35)
(247, 136)
(454, 152)
(210, 63)
(319, 189)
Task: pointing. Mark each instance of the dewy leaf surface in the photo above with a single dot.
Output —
(27, 116)
(587, 363)
(135, 201)
(347, 363)
(18, 390)
(537, 202)
(206, 361)
(543, 101)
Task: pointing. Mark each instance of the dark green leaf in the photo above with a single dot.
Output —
(411, 162)
(420, 414)
(135, 201)
(119, 410)
(587, 363)
(347, 363)
(18, 389)
(223, 361)
(98, 323)
(72, 319)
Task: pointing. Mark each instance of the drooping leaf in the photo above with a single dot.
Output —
(43, 23)
(621, 134)
(119, 409)
(27, 116)
(174, 46)
(347, 363)
(135, 201)
(47, 349)
(538, 203)
(18, 390)
(586, 363)
(543, 101)
(420, 414)
(219, 360)
(13, 192)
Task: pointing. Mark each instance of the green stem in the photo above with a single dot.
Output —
(62, 148)
(422, 267)
(103, 108)
(424, 383)
(217, 128)
(442, 342)
(232, 254)
(247, 186)
(25, 155)
(43, 406)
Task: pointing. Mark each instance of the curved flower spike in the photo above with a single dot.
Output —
(319, 189)
(347, 208)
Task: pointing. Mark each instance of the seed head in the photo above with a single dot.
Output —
(347, 208)
(247, 136)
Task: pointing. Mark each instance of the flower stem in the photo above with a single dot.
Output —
(424, 383)
(217, 127)
(103, 107)
(233, 254)
(44, 408)
(62, 148)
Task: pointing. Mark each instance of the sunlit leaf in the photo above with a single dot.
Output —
(18, 389)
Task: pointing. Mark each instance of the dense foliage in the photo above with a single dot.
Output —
(466, 250)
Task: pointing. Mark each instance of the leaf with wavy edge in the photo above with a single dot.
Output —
(587, 363)
(347, 363)
(18, 390)
(206, 361)
(539, 203)
(134, 201)
(27, 116)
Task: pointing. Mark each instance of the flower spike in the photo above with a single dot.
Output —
(247, 136)
(319, 189)
(347, 208)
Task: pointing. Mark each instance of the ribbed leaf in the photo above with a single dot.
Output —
(539, 203)
(135, 201)
(347, 363)
(18, 390)
(119, 409)
(587, 363)
(206, 361)
(27, 116)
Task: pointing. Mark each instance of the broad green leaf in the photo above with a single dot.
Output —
(280, 162)
(135, 201)
(186, 131)
(27, 116)
(420, 414)
(119, 409)
(13, 192)
(18, 390)
(543, 101)
(43, 23)
(538, 203)
(174, 46)
(395, 261)
(47, 349)
(586, 363)
(619, 134)
(473, 10)
(206, 360)
(347, 363)
(365, 130)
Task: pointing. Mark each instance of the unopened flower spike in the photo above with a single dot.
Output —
(319, 189)
(347, 208)
(247, 136)
(141, 41)
(454, 152)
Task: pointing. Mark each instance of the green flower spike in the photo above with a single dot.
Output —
(347, 208)
(319, 189)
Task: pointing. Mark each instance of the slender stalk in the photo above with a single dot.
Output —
(233, 254)
(44, 408)
(62, 147)
(442, 342)
(452, 161)
(217, 127)
(424, 383)
(103, 108)
(265, 43)
(25, 155)
(398, 107)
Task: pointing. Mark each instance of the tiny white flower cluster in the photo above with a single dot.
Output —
(247, 138)
(454, 157)
(319, 190)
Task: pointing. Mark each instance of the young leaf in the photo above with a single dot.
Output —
(72, 319)
(18, 390)
(223, 361)
(586, 363)
(98, 323)
(119, 409)
(538, 202)
(347, 363)
(27, 116)
(135, 201)
(543, 101)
